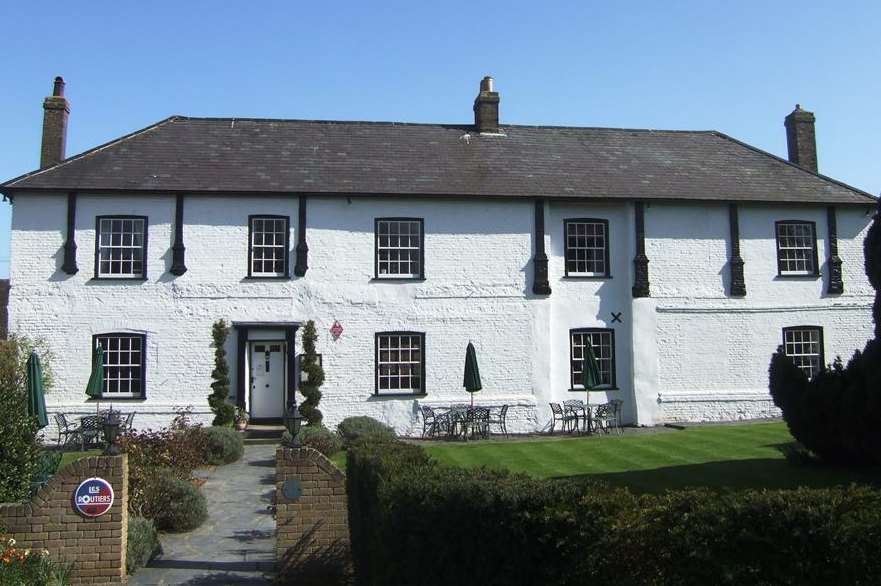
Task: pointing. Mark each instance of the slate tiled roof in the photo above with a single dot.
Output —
(247, 156)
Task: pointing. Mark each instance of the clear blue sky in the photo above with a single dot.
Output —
(738, 67)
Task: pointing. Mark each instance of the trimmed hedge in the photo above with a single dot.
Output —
(174, 505)
(414, 521)
(142, 544)
(321, 438)
(224, 446)
(352, 428)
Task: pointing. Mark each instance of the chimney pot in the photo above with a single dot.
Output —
(486, 107)
(56, 109)
(801, 140)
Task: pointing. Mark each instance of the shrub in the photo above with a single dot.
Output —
(837, 414)
(225, 445)
(224, 413)
(353, 428)
(180, 448)
(19, 449)
(143, 543)
(19, 567)
(495, 527)
(310, 366)
(321, 438)
(173, 504)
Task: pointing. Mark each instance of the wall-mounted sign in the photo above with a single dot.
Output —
(93, 497)
(292, 489)
(336, 330)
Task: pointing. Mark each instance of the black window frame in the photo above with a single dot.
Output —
(391, 393)
(144, 247)
(814, 255)
(613, 370)
(822, 343)
(287, 245)
(566, 253)
(376, 274)
(143, 365)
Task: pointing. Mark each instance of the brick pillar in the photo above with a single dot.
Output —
(317, 521)
(95, 546)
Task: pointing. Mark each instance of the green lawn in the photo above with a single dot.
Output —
(719, 456)
(68, 457)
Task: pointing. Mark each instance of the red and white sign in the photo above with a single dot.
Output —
(93, 497)
(336, 330)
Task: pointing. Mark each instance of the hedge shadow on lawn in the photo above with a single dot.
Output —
(757, 473)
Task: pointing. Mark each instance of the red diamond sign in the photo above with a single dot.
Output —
(336, 330)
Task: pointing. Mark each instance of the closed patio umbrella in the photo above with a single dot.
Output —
(36, 397)
(96, 379)
(590, 372)
(472, 373)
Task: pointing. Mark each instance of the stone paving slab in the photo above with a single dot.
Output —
(236, 545)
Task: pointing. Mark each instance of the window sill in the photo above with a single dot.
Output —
(599, 390)
(586, 277)
(806, 277)
(120, 279)
(115, 399)
(397, 279)
(401, 395)
(267, 278)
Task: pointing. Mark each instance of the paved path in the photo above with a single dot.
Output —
(236, 545)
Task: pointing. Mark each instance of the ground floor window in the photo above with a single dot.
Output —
(603, 343)
(804, 346)
(400, 362)
(123, 364)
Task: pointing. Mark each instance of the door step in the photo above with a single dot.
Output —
(263, 434)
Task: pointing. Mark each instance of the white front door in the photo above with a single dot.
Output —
(267, 379)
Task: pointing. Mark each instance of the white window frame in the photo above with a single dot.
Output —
(600, 229)
(786, 248)
(392, 245)
(110, 243)
(605, 355)
(397, 362)
(794, 341)
(128, 352)
(279, 251)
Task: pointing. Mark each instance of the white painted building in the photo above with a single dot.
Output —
(421, 238)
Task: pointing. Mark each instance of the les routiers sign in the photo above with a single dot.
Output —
(93, 497)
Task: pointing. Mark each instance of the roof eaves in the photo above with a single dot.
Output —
(9, 187)
(856, 190)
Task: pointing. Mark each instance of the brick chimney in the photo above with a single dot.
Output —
(486, 107)
(56, 109)
(800, 138)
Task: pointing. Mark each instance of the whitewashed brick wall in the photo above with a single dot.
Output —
(477, 288)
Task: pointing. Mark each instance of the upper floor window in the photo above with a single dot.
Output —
(268, 246)
(587, 248)
(796, 248)
(121, 247)
(400, 362)
(603, 343)
(123, 364)
(399, 248)
(804, 346)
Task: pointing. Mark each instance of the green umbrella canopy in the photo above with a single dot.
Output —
(96, 380)
(590, 371)
(36, 397)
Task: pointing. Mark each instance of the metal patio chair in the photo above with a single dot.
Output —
(576, 407)
(433, 423)
(566, 419)
(90, 431)
(500, 420)
(608, 417)
(67, 431)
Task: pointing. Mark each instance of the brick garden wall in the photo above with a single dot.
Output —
(95, 546)
(317, 521)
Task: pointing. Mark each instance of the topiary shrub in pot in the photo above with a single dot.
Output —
(173, 504)
(225, 445)
(353, 428)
